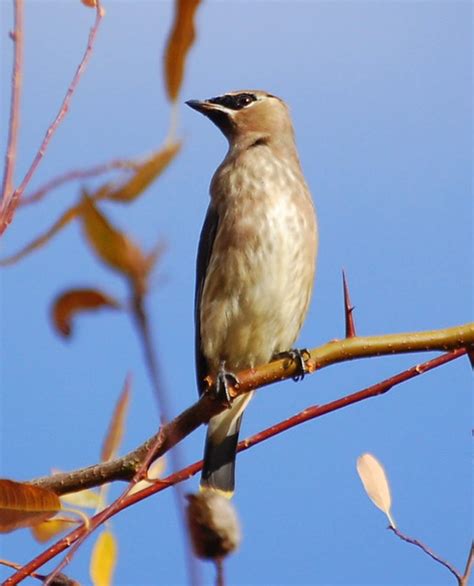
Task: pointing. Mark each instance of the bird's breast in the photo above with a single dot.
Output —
(260, 275)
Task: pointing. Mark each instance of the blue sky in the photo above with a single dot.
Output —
(381, 99)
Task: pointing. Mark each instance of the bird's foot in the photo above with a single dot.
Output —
(298, 356)
(223, 379)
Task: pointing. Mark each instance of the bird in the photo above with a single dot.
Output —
(256, 259)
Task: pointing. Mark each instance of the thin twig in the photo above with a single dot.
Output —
(468, 569)
(74, 175)
(11, 204)
(220, 579)
(159, 485)
(15, 96)
(348, 309)
(428, 551)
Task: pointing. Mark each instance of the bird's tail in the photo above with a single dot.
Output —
(218, 472)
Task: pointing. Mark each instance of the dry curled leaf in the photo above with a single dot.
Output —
(115, 431)
(179, 42)
(74, 301)
(144, 174)
(374, 479)
(104, 559)
(25, 505)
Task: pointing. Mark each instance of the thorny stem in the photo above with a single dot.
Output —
(159, 485)
(125, 468)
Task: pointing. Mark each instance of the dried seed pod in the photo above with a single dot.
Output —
(213, 524)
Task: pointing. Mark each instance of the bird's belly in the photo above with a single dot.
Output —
(256, 294)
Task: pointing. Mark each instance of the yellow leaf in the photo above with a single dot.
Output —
(112, 246)
(374, 479)
(115, 431)
(24, 505)
(89, 499)
(179, 42)
(145, 174)
(67, 304)
(103, 560)
(48, 529)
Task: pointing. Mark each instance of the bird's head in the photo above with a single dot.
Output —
(247, 117)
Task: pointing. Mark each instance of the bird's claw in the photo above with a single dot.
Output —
(223, 379)
(300, 357)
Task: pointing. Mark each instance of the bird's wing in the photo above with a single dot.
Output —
(206, 242)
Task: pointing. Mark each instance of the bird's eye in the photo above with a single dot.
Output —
(234, 101)
(244, 100)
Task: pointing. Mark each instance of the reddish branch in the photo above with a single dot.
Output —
(310, 413)
(11, 203)
(14, 122)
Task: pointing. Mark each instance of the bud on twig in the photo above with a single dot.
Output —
(213, 524)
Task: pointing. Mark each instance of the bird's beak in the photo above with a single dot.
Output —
(202, 106)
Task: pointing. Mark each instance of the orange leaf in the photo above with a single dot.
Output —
(103, 560)
(112, 246)
(24, 505)
(115, 431)
(145, 174)
(67, 304)
(89, 3)
(179, 42)
(48, 529)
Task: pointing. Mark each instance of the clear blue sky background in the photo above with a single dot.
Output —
(381, 100)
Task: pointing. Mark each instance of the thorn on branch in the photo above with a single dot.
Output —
(348, 309)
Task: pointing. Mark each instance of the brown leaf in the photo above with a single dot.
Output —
(104, 559)
(179, 42)
(112, 246)
(115, 431)
(145, 174)
(68, 303)
(24, 505)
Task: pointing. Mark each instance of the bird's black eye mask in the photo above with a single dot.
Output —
(234, 102)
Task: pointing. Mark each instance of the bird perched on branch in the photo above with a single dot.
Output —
(256, 258)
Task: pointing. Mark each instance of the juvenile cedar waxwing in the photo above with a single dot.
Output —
(256, 258)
